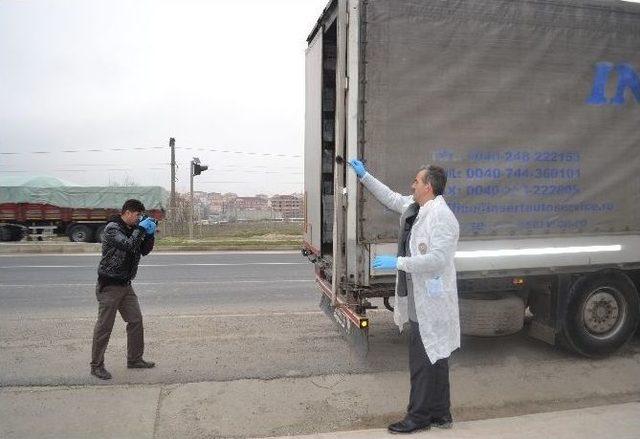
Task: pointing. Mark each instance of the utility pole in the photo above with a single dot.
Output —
(172, 201)
(195, 169)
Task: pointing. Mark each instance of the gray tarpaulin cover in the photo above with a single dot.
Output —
(533, 107)
(50, 190)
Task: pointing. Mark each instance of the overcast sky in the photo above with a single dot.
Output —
(98, 74)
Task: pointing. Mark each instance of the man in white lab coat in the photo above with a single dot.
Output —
(426, 294)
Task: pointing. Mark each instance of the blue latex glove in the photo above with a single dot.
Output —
(358, 166)
(148, 225)
(385, 262)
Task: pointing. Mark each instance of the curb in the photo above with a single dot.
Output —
(37, 248)
(96, 248)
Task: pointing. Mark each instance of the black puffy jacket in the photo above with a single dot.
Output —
(122, 247)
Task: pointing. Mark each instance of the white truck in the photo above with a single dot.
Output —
(533, 107)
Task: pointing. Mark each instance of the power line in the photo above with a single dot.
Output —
(218, 170)
(255, 172)
(222, 151)
(66, 151)
(247, 181)
(82, 170)
(227, 151)
(102, 165)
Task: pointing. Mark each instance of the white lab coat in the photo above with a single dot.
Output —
(434, 238)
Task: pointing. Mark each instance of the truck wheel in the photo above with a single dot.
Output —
(100, 233)
(9, 233)
(602, 314)
(5, 234)
(81, 233)
(491, 317)
(18, 233)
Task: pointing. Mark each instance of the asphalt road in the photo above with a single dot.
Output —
(237, 322)
(202, 283)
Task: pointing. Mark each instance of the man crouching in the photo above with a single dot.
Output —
(126, 237)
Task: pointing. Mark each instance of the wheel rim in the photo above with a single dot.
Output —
(79, 236)
(604, 312)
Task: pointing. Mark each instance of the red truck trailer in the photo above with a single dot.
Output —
(32, 204)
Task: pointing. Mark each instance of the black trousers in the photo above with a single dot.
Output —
(429, 397)
(111, 299)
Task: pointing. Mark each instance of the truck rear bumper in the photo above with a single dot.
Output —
(353, 325)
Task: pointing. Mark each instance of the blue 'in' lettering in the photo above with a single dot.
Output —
(627, 77)
(598, 96)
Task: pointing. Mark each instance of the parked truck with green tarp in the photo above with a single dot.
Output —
(30, 204)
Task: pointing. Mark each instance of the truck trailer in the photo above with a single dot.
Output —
(36, 203)
(533, 108)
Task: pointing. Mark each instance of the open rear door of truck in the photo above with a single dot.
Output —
(313, 145)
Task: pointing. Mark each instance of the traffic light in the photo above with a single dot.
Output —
(197, 168)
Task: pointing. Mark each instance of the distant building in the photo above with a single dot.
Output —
(216, 203)
(251, 203)
(289, 205)
(200, 196)
(214, 207)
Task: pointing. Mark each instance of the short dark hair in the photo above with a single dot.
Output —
(437, 177)
(133, 205)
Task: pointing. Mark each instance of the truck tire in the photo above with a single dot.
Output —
(100, 233)
(602, 314)
(491, 317)
(81, 233)
(5, 234)
(11, 233)
(19, 233)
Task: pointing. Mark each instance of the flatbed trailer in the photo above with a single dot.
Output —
(79, 212)
(80, 225)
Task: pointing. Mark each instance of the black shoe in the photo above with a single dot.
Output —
(100, 372)
(444, 422)
(140, 364)
(408, 426)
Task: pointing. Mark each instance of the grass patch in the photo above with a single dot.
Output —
(253, 242)
(235, 236)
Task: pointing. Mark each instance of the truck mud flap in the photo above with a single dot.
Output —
(358, 337)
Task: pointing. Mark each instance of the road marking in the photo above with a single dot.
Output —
(182, 316)
(192, 316)
(232, 282)
(48, 266)
(224, 264)
(213, 264)
(158, 253)
(248, 314)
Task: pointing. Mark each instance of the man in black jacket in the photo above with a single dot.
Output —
(126, 238)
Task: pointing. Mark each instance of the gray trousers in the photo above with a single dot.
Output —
(429, 397)
(111, 299)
